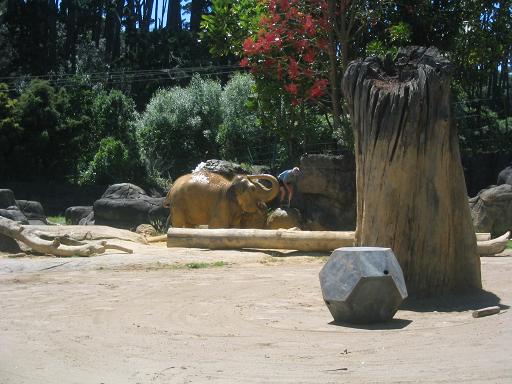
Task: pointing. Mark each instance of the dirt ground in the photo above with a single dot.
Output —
(243, 317)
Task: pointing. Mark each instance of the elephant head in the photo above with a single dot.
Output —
(249, 193)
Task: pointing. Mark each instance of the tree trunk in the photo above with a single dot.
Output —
(174, 16)
(411, 194)
(196, 13)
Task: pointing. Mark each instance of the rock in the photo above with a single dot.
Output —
(230, 169)
(491, 210)
(362, 284)
(9, 245)
(328, 192)
(75, 214)
(505, 176)
(127, 206)
(14, 213)
(284, 218)
(33, 210)
(88, 220)
(6, 199)
(146, 230)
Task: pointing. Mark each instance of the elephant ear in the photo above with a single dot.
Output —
(238, 193)
(236, 187)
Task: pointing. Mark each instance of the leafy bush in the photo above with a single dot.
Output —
(111, 164)
(179, 127)
(240, 134)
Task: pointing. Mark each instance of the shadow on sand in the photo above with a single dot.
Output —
(389, 325)
(454, 303)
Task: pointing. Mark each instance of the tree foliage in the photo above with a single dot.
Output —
(179, 127)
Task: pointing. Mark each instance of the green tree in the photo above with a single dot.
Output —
(37, 113)
(10, 135)
(179, 127)
(241, 136)
(111, 164)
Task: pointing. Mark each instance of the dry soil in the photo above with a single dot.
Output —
(241, 317)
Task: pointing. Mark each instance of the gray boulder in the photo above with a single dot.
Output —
(6, 199)
(491, 210)
(505, 176)
(284, 218)
(127, 206)
(33, 210)
(14, 213)
(75, 214)
(362, 284)
(327, 192)
(230, 169)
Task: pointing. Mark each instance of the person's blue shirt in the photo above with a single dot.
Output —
(287, 176)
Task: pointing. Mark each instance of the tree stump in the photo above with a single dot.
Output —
(411, 195)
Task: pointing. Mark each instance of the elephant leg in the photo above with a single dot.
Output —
(179, 220)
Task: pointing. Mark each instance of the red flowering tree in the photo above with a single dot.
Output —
(302, 47)
(291, 48)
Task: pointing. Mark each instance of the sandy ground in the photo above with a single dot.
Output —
(257, 318)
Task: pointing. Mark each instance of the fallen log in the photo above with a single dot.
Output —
(486, 311)
(282, 239)
(494, 246)
(90, 232)
(46, 243)
(483, 236)
(319, 241)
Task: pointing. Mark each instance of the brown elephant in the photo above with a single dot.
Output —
(207, 198)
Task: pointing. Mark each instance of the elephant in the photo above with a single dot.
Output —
(207, 198)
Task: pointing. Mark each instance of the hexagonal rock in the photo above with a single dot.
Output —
(362, 284)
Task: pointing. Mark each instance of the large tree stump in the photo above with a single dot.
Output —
(411, 194)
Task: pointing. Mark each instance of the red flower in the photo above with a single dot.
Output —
(293, 69)
(291, 88)
(244, 62)
(309, 27)
(248, 45)
(309, 56)
(318, 89)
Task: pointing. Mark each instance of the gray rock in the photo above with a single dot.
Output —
(284, 218)
(6, 198)
(9, 245)
(505, 176)
(230, 169)
(491, 210)
(75, 214)
(362, 284)
(14, 213)
(327, 192)
(33, 210)
(127, 206)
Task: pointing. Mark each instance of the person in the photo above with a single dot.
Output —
(287, 180)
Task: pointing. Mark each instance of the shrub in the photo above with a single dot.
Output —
(111, 164)
(179, 127)
(240, 134)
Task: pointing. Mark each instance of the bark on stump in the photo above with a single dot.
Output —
(411, 195)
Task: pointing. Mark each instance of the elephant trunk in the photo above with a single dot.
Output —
(265, 194)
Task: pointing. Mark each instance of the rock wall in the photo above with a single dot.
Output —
(327, 187)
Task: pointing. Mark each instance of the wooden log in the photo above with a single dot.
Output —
(89, 232)
(486, 311)
(319, 241)
(46, 243)
(494, 246)
(411, 194)
(483, 236)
